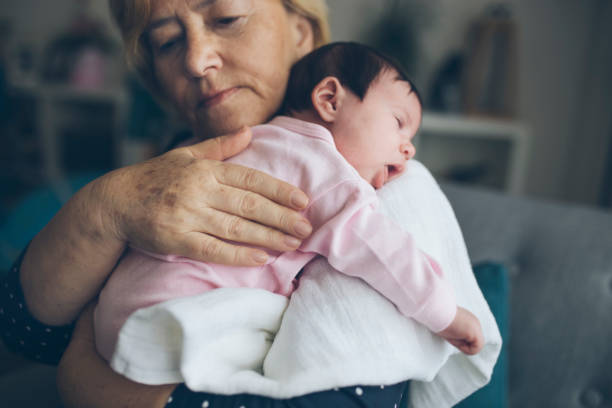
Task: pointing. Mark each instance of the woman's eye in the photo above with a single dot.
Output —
(168, 46)
(226, 21)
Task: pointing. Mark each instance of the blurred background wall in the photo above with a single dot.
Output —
(69, 108)
(564, 62)
(35, 22)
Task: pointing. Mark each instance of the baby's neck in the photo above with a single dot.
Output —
(309, 116)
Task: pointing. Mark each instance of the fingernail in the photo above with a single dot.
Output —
(292, 242)
(259, 257)
(302, 228)
(299, 199)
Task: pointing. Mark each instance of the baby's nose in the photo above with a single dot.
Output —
(408, 150)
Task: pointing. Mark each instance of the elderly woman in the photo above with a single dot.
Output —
(223, 66)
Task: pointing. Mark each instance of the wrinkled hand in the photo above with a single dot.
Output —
(464, 332)
(184, 201)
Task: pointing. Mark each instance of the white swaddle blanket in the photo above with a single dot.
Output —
(334, 331)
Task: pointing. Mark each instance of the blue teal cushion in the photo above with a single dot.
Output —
(32, 213)
(494, 282)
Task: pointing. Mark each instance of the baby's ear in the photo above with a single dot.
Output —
(327, 98)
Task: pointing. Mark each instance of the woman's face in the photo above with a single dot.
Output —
(225, 63)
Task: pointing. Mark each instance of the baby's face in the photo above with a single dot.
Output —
(375, 134)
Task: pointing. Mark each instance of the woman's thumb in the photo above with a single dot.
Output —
(222, 147)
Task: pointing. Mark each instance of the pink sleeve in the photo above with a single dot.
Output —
(359, 241)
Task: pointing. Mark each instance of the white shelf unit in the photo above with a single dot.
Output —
(480, 151)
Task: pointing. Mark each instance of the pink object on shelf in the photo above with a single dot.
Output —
(90, 70)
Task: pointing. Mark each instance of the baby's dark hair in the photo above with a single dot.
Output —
(355, 65)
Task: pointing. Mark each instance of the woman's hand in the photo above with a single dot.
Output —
(184, 201)
(84, 379)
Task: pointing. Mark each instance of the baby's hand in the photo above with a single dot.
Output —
(464, 332)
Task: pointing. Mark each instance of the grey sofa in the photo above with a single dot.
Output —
(559, 259)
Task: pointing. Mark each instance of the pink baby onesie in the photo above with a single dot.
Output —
(348, 230)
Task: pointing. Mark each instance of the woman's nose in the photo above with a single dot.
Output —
(201, 55)
(408, 150)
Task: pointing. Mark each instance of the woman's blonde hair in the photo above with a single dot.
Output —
(132, 17)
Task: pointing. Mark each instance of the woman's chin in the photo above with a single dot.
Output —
(226, 120)
(222, 125)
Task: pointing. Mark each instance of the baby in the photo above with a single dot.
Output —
(350, 117)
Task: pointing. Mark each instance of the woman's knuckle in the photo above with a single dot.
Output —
(210, 249)
(235, 228)
(248, 204)
(252, 179)
(237, 256)
(285, 221)
(273, 236)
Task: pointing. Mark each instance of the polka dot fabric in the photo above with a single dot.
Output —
(388, 396)
(20, 331)
(25, 335)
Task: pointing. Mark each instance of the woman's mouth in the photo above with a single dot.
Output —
(216, 97)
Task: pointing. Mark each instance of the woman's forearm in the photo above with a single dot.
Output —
(185, 202)
(69, 260)
(85, 380)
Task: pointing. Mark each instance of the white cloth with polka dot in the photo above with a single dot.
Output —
(334, 332)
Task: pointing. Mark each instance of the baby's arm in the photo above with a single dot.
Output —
(359, 241)
(464, 332)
